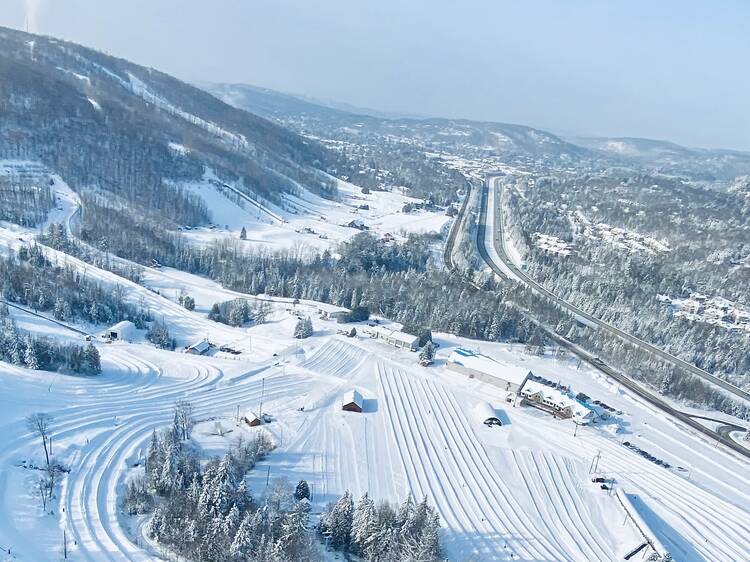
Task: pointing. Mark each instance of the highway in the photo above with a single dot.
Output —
(499, 242)
(590, 358)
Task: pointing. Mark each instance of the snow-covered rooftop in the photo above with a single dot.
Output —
(330, 308)
(485, 364)
(485, 411)
(352, 397)
(561, 399)
(398, 335)
(124, 325)
(201, 346)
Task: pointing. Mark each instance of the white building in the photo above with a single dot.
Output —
(331, 312)
(396, 338)
(122, 331)
(557, 402)
(486, 369)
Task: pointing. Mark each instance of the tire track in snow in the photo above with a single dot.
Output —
(513, 518)
(441, 486)
(90, 490)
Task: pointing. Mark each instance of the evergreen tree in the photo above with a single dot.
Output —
(214, 314)
(91, 360)
(336, 524)
(302, 491)
(364, 526)
(30, 358)
(428, 353)
(303, 328)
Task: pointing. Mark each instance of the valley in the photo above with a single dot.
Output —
(237, 324)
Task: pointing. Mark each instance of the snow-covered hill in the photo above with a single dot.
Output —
(520, 491)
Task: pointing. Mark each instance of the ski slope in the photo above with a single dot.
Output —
(305, 221)
(522, 491)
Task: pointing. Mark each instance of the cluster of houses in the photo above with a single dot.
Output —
(518, 383)
(553, 244)
(716, 311)
(619, 237)
(630, 240)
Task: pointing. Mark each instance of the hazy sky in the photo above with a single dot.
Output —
(664, 69)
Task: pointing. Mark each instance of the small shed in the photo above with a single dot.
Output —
(358, 224)
(252, 420)
(122, 331)
(352, 401)
(199, 348)
(485, 413)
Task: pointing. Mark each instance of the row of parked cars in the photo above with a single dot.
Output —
(646, 455)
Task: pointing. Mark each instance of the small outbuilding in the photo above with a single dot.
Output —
(352, 402)
(199, 348)
(486, 414)
(358, 224)
(122, 331)
(252, 420)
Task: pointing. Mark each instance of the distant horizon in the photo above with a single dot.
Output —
(664, 71)
(569, 136)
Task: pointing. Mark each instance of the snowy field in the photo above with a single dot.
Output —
(308, 220)
(522, 491)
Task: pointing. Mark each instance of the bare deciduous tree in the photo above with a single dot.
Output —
(39, 423)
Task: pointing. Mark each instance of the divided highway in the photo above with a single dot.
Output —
(576, 350)
(499, 243)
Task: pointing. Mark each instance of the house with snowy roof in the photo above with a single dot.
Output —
(352, 401)
(198, 348)
(557, 402)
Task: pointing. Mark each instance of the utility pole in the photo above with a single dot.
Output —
(262, 391)
(595, 462)
(268, 475)
(575, 429)
(65, 545)
(238, 414)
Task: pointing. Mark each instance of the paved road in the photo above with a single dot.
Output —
(455, 229)
(499, 240)
(580, 352)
